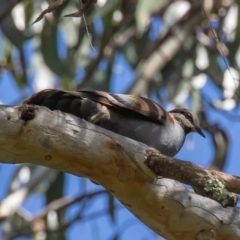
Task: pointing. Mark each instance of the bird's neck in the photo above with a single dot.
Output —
(179, 120)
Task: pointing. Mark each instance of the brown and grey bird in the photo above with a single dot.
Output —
(131, 116)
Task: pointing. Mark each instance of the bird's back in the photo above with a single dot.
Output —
(117, 118)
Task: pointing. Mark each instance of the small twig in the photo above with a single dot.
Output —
(49, 9)
(88, 32)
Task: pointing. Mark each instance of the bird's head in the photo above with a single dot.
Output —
(188, 120)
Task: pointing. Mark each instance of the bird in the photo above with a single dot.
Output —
(131, 116)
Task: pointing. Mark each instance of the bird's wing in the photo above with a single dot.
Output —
(123, 102)
(120, 102)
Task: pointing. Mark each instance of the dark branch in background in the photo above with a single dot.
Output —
(208, 183)
(57, 205)
(8, 10)
(79, 217)
(62, 226)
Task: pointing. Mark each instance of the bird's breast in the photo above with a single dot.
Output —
(168, 139)
(171, 139)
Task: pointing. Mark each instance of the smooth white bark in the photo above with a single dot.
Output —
(66, 143)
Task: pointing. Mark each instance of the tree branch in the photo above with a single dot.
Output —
(66, 143)
(209, 183)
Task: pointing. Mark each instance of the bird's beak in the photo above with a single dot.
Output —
(199, 130)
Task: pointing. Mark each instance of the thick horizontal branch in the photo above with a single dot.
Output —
(60, 141)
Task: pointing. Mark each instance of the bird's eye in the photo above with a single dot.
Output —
(189, 116)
